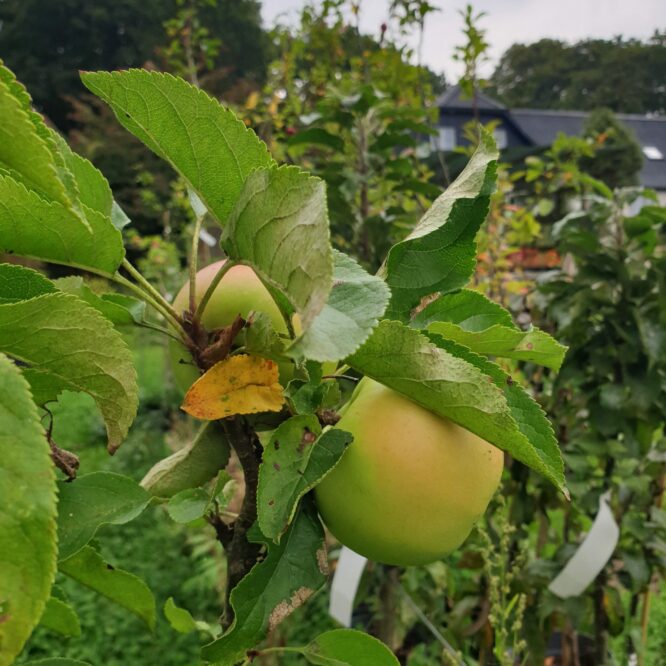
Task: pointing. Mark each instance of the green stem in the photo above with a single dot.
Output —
(194, 259)
(224, 269)
(149, 289)
(168, 314)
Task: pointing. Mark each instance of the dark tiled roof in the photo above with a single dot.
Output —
(453, 98)
(543, 126)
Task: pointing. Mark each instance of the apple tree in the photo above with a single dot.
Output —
(264, 376)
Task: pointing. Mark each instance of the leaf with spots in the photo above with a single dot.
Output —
(288, 576)
(297, 457)
(204, 142)
(240, 384)
(67, 345)
(27, 514)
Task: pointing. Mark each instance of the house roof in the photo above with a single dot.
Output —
(543, 126)
(453, 98)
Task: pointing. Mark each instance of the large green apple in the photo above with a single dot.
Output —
(412, 484)
(239, 292)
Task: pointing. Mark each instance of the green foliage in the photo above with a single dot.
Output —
(96, 499)
(291, 572)
(618, 158)
(621, 74)
(60, 617)
(275, 219)
(297, 457)
(87, 567)
(27, 520)
(206, 143)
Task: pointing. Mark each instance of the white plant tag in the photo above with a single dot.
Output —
(591, 556)
(346, 579)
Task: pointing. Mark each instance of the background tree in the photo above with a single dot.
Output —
(624, 75)
(618, 157)
(47, 43)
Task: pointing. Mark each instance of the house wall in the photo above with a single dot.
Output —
(457, 118)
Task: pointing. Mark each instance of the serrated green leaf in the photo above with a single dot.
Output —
(450, 381)
(125, 589)
(348, 647)
(279, 226)
(23, 152)
(18, 283)
(192, 466)
(68, 345)
(468, 309)
(93, 500)
(119, 309)
(260, 338)
(27, 514)
(33, 227)
(439, 254)
(93, 189)
(533, 345)
(290, 573)
(356, 302)
(180, 619)
(297, 457)
(207, 144)
(188, 505)
(60, 617)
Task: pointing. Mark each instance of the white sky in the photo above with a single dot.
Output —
(508, 22)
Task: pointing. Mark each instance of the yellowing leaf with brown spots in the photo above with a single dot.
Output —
(237, 385)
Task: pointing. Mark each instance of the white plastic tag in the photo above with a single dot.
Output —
(346, 579)
(592, 555)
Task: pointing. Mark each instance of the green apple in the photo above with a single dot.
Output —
(412, 484)
(239, 292)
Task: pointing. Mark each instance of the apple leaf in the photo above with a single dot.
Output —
(297, 457)
(93, 500)
(240, 384)
(451, 381)
(119, 309)
(468, 309)
(27, 513)
(180, 619)
(60, 617)
(348, 647)
(279, 226)
(25, 152)
(68, 345)
(209, 146)
(290, 574)
(532, 345)
(439, 255)
(125, 589)
(188, 505)
(356, 302)
(18, 283)
(33, 227)
(93, 188)
(192, 466)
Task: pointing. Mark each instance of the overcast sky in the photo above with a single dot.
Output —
(508, 22)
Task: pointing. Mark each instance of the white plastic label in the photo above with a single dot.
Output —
(346, 579)
(592, 555)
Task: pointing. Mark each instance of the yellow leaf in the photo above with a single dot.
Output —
(238, 385)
